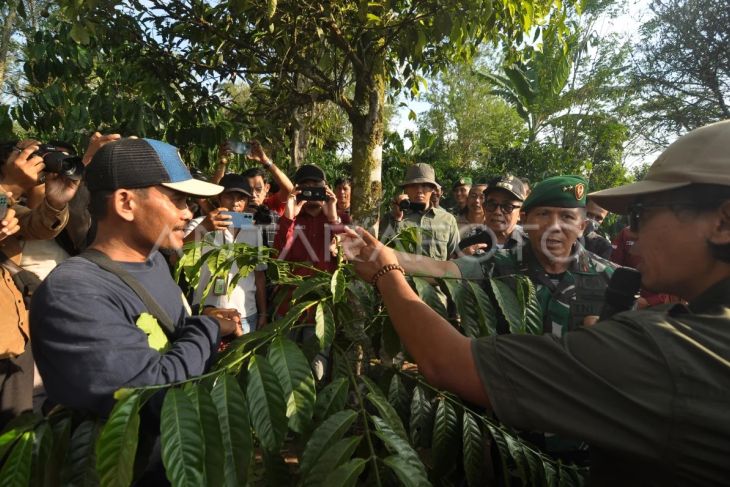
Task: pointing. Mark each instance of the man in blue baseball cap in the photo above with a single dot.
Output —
(113, 317)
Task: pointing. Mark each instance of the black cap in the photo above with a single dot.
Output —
(140, 163)
(236, 182)
(507, 183)
(309, 172)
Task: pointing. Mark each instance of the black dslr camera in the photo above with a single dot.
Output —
(262, 215)
(405, 205)
(58, 161)
(312, 194)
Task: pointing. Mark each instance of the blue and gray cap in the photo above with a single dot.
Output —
(139, 163)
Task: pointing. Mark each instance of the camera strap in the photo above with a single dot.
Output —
(9, 265)
(100, 259)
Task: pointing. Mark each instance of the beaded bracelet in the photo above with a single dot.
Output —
(383, 271)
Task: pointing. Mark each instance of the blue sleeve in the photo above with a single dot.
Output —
(85, 353)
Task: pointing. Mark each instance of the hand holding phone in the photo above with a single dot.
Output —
(4, 204)
(238, 147)
(238, 219)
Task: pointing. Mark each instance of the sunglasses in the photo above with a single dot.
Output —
(636, 211)
(506, 207)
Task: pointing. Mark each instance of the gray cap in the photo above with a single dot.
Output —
(701, 156)
(420, 173)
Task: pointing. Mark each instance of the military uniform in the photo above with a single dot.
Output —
(565, 301)
(649, 390)
(438, 228)
(439, 231)
(653, 385)
(455, 209)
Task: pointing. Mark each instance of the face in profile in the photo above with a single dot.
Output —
(160, 217)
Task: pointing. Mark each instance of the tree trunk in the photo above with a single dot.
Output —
(299, 140)
(5, 35)
(366, 117)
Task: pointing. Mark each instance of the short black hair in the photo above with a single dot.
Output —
(6, 148)
(343, 180)
(253, 172)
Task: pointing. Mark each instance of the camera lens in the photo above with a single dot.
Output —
(64, 164)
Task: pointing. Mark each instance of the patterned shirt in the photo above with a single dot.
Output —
(565, 299)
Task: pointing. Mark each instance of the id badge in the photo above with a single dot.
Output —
(219, 286)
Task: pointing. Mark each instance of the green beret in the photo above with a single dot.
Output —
(559, 191)
(462, 182)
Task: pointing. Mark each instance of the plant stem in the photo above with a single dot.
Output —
(366, 425)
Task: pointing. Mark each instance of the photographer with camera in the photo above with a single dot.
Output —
(19, 173)
(414, 209)
(248, 297)
(310, 221)
(257, 176)
(42, 256)
(649, 390)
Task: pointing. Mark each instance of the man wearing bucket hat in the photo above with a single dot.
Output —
(113, 317)
(649, 389)
(439, 231)
(569, 281)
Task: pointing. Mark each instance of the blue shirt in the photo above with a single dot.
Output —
(86, 342)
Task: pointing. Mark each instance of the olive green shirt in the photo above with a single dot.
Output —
(565, 302)
(649, 390)
(439, 231)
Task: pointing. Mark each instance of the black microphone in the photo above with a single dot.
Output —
(622, 292)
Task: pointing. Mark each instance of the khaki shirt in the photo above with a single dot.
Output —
(649, 390)
(41, 223)
(439, 231)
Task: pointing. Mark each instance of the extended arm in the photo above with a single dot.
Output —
(443, 354)
(422, 266)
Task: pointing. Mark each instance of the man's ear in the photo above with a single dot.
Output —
(720, 232)
(124, 204)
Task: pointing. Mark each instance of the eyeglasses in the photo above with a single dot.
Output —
(506, 207)
(637, 210)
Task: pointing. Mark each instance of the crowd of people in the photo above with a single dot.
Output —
(82, 255)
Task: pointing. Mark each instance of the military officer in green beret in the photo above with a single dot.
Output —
(649, 389)
(570, 282)
(460, 195)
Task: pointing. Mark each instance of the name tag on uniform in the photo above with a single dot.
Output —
(219, 286)
(557, 330)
